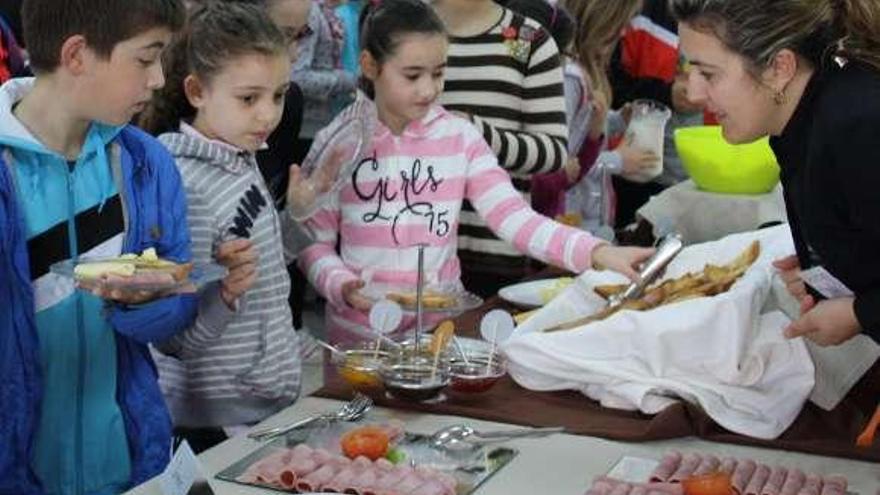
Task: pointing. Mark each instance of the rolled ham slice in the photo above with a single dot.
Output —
(668, 465)
(603, 486)
(432, 487)
(793, 482)
(317, 478)
(812, 486)
(606, 486)
(322, 456)
(392, 478)
(709, 464)
(728, 465)
(288, 479)
(432, 474)
(759, 479)
(689, 464)
(365, 481)
(301, 450)
(621, 489)
(343, 479)
(775, 481)
(834, 485)
(742, 474)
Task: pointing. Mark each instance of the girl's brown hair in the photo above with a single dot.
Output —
(215, 34)
(816, 30)
(599, 23)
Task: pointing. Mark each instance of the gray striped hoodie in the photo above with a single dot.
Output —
(232, 367)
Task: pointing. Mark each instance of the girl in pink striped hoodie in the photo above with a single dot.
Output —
(422, 163)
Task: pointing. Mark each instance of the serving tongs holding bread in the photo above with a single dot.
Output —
(712, 280)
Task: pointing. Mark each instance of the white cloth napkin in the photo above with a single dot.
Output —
(719, 352)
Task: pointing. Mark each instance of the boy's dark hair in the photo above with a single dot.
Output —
(216, 33)
(554, 18)
(48, 24)
(383, 22)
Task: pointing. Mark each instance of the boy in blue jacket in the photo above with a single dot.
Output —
(80, 408)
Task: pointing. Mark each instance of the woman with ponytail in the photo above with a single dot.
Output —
(806, 73)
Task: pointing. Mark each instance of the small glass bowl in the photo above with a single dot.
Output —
(415, 378)
(359, 367)
(476, 375)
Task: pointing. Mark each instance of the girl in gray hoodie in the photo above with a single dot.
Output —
(227, 77)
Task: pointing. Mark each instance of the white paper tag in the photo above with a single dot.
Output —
(497, 326)
(633, 469)
(825, 283)
(184, 476)
(385, 316)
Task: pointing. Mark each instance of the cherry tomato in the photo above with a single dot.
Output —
(717, 483)
(368, 441)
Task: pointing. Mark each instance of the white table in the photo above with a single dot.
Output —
(560, 464)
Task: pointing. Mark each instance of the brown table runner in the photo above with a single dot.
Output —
(815, 431)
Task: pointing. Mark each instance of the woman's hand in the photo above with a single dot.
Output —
(352, 295)
(790, 273)
(240, 258)
(621, 259)
(830, 322)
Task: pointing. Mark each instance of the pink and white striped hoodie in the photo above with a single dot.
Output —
(409, 191)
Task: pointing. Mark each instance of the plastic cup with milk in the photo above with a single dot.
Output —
(646, 130)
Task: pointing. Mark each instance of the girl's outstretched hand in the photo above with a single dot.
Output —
(352, 295)
(302, 193)
(621, 259)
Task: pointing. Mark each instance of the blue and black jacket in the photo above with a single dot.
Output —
(80, 408)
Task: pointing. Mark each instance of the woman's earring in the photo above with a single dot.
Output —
(779, 97)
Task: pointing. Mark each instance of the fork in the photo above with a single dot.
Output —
(350, 411)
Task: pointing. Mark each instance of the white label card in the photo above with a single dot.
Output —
(184, 476)
(825, 283)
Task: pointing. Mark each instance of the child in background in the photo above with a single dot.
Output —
(548, 190)
(240, 362)
(318, 71)
(349, 12)
(423, 162)
(505, 74)
(81, 410)
(600, 25)
(12, 57)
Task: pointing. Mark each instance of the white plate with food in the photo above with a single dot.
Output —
(535, 293)
(434, 300)
(137, 272)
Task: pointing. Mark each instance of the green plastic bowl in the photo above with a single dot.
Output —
(718, 166)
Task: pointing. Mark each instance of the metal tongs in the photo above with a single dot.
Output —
(669, 247)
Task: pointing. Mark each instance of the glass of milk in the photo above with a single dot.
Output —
(646, 130)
